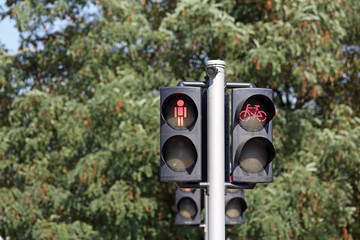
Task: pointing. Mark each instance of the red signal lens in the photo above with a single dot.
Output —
(187, 190)
(179, 111)
(253, 115)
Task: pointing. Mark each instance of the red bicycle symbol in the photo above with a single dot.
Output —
(245, 115)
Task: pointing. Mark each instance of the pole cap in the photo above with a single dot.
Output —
(216, 63)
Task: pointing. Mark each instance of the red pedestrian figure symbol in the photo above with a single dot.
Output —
(180, 112)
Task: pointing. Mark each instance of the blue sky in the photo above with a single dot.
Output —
(9, 36)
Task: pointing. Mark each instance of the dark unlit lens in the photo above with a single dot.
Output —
(233, 190)
(254, 156)
(187, 208)
(234, 208)
(179, 153)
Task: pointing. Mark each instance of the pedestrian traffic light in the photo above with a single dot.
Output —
(235, 207)
(252, 148)
(188, 206)
(180, 134)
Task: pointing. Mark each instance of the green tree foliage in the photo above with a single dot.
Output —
(79, 103)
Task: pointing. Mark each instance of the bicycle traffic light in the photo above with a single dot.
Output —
(188, 206)
(252, 148)
(180, 134)
(235, 207)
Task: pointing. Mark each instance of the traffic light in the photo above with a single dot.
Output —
(252, 148)
(188, 206)
(180, 134)
(235, 207)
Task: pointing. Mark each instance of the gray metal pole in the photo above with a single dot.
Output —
(216, 151)
(206, 229)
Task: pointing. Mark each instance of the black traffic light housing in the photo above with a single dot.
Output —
(180, 134)
(235, 207)
(252, 148)
(188, 206)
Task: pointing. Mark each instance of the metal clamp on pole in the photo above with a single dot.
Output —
(192, 84)
(240, 85)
